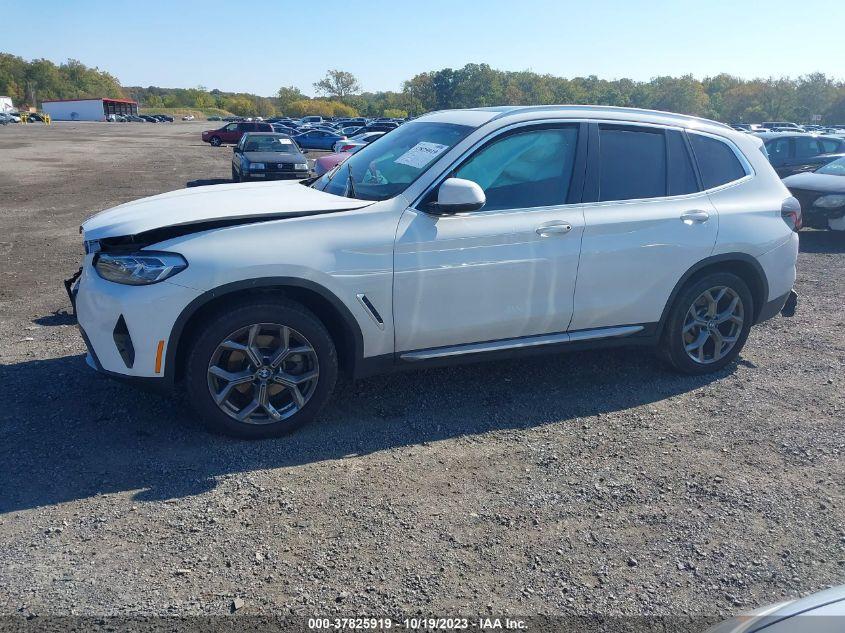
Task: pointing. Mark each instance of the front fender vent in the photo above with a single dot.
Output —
(371, 310)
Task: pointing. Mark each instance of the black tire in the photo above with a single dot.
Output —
(216, 141)
(221, 325)
(672, 346)
(236, 177)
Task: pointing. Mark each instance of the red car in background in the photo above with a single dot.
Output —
(232, 132)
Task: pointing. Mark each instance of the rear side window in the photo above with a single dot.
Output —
(632, 164)
(830, 146)
(716, 161)
(681, 173)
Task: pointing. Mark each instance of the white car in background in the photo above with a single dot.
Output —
(188, 117)
(463, 235)
(822, 612)
(354, 143)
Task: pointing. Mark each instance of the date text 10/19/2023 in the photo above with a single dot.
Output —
(418, 624)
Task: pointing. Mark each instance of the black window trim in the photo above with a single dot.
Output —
(579, 167)
(591, 192)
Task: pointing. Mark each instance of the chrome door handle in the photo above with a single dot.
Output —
(558, 228)
(695, 217)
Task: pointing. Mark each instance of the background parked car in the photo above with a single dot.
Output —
(795, 153)
(354, 143)
(822, 195)
(792, 127)
(267, 156)
(318, 139)
(330, 161)
(284, 129)
(188, 117)
(232, 132)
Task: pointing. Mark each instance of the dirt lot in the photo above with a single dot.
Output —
(586, 483)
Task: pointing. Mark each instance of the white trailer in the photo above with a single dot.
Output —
(6, 104)
(88, 109)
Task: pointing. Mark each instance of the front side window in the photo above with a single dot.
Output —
(231, 127)
(385, 169)
(778, 149)
(632, 163)
(716, 161)
(524, 170)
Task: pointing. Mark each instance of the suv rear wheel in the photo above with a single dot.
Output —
(261, 369)
(708, 324)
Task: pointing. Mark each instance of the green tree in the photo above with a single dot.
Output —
(288, 95)
(337, 83)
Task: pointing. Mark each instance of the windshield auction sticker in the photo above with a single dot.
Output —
(421, 154)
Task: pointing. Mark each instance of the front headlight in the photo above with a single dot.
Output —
(256, 165)
(301, 166)
(138, 269)
(830, 202)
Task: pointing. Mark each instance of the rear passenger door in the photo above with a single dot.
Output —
(647, 222)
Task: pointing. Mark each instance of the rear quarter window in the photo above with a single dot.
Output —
(717, 162)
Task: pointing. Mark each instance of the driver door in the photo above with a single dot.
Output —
(507, 270)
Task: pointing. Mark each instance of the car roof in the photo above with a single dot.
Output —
(274, 134)
(769, 135)
(480, 116)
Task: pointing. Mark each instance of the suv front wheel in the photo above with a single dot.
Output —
(708, 324)
(261, 369)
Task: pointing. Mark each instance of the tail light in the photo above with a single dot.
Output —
(346, 148)
(790, 211)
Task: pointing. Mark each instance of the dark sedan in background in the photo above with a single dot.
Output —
(822, 195)
(267, 156)
(795, 153)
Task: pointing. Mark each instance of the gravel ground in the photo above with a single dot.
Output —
(589, 483)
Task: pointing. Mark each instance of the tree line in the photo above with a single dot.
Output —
(723, 97)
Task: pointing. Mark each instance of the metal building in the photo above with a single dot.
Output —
(88, 109)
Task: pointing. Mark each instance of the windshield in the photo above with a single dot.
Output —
(386, 167)
(269, 144)
(835, 168)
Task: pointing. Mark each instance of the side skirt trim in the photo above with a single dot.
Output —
(521, 343)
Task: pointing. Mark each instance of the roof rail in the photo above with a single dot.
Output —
(674, 115)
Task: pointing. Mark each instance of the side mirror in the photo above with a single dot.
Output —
(457, 195)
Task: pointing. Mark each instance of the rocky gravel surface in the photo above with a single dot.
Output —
(589, 483)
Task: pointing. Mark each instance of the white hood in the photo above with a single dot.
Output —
(212, 203)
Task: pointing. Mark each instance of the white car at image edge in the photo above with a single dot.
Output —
(460, 236)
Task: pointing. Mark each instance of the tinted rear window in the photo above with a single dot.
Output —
(716, 161)
(633, 164)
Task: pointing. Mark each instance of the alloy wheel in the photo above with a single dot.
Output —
(263, 373)
(713, 325)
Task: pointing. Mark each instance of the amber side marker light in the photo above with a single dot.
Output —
(158, 356)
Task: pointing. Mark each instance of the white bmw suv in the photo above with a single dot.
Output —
(460, 236)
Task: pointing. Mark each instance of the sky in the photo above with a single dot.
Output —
(259, 46)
